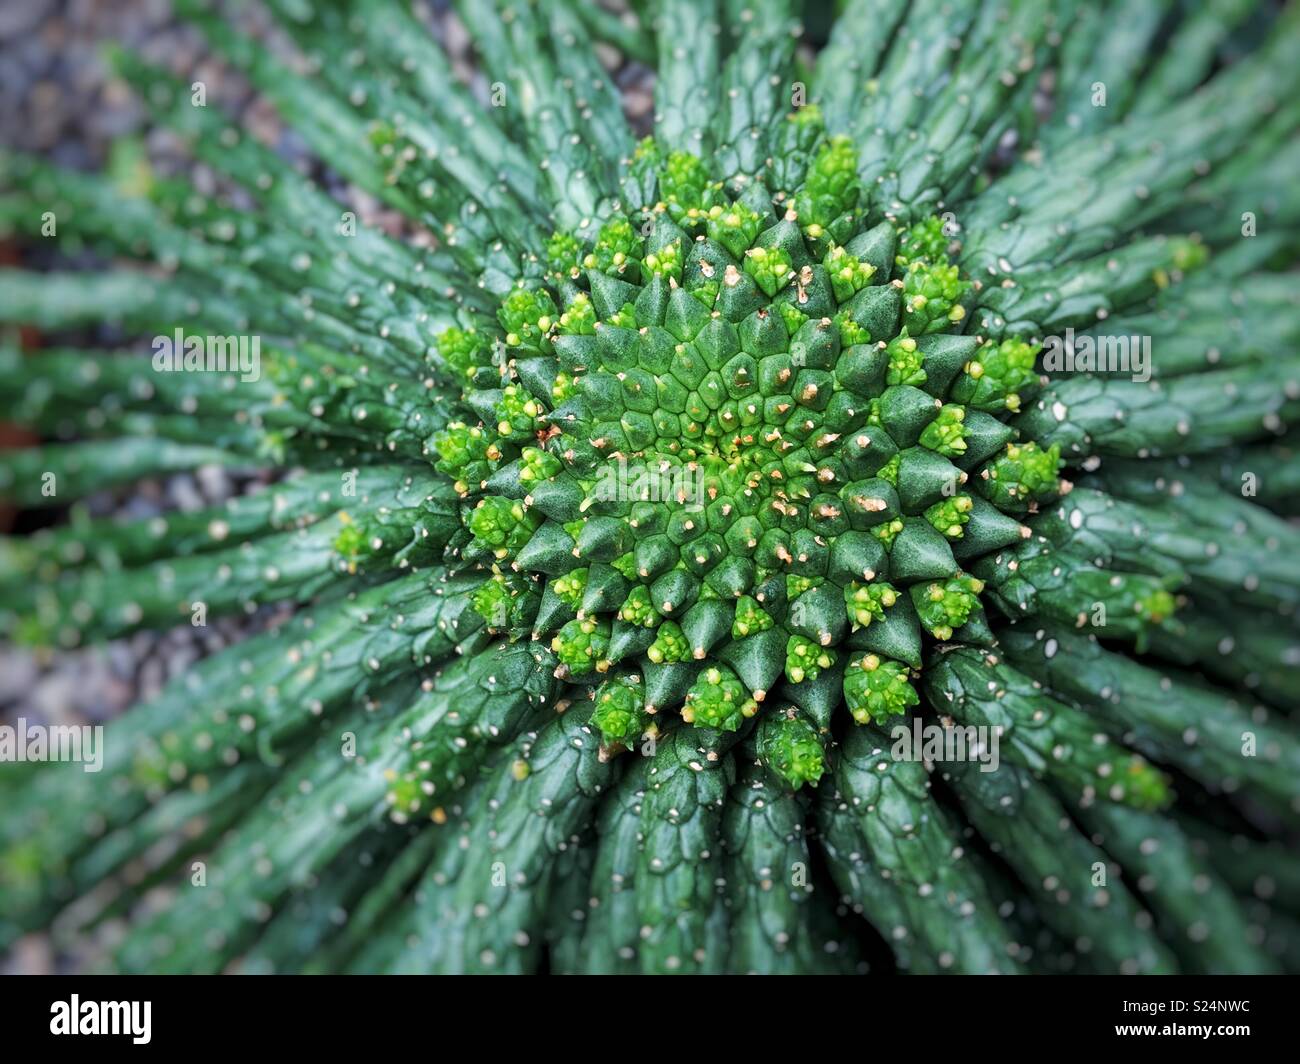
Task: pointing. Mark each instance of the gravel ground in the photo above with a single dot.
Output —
(58, 100)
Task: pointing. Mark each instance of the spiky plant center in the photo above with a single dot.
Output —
(738, 446)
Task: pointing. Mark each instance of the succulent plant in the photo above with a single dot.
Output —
(638, 516)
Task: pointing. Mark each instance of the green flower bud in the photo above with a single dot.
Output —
(685, 189)
(923, 242)
(792, 316)
(637, 608)
(517, 412)
(579, 318)
(537, 465)
(563, 255)
(350, 542)
(570, 587)
(789, 746)
(582, 646)
(851, 332)
(618, 248)
(848, 274)
(949, 516)
(904, 361)
(734, 227)
(670, 645)
(947, 433)
(888, 531)
(501, 600)
(1144, 786)
(868, 602)
(718, 700)
(831, 188)
(666, 262)
(750, 618)
(804, 659)
(501, 525)
(462, 450)
(889, 471)
(947, 604)
(527, 315)
(464, 350)
(930, 295)
(997, 376)
(769, 268)
(876, 688)
(619, 714)
(1023, 476)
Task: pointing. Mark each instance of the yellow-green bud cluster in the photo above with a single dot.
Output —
(731, 446)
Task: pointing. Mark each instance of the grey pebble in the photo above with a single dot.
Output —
(20, 17)
(183, 493)
(18, 673)
(149, 681)
(55, 698)
(121, 659)
(214, 483)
